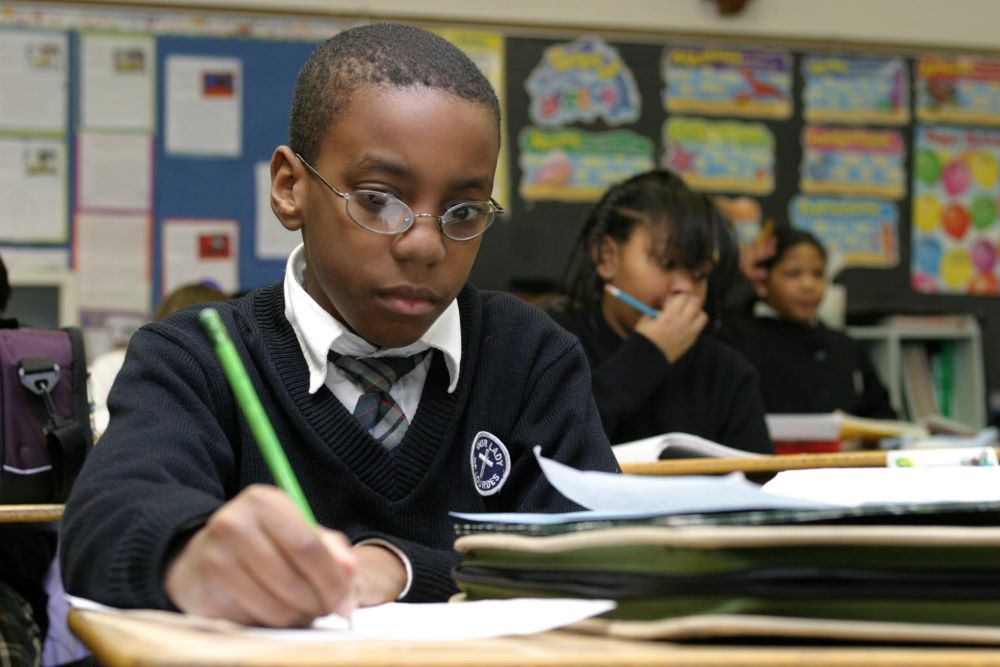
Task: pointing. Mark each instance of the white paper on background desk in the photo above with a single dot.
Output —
(440, 621)
(857, 486)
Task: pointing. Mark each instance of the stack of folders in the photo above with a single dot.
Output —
(897, 571)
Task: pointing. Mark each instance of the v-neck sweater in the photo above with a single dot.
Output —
(177, 447)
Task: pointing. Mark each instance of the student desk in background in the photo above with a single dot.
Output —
(30, 513)
(124, 641)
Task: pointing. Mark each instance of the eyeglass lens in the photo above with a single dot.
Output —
(384, 213)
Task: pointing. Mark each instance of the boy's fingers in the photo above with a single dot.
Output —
(320, 560)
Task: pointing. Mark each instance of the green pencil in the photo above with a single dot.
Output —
(249, 403)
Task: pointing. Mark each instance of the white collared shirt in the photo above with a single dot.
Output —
(318, 332)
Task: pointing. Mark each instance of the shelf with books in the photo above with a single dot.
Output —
(931, 365)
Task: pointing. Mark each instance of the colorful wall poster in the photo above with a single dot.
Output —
(582, 81)
(846, 90)
(578, 166)
(853, 161)
(487, 51)
(720, 156)
(956, 235)
(863, 232)
(727, 82)
(958, 90)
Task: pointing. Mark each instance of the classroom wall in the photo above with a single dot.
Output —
(907, 27)
(947, 23)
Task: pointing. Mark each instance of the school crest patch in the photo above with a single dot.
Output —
(490, 462)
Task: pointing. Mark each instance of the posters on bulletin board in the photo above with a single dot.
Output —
(33, 181)
(117, 82)
(115, 171)
(196, 250)
(956, 233)
(111, 257)
(203, 106)
(34, 80)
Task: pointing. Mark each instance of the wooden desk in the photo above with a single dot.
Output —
(30, 513)
(127, 641)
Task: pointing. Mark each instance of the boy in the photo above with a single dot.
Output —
(394, 144)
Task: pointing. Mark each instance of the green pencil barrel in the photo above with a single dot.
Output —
(253, 411)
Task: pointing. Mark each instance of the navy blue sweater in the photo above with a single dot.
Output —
(807, 369)
(177, 448)
(710, 391)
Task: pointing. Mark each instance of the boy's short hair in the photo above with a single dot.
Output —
(389, 54)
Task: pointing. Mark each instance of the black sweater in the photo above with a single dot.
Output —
(711, 391)
(177, 448)
(806, 369)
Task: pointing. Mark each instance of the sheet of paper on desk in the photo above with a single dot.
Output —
(857, 486)
(410, 622)
(614, 497)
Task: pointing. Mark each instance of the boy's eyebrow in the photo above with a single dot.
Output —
(372, 163)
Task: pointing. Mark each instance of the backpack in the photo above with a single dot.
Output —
(44, 413)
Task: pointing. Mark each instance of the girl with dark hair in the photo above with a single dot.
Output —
(658, 367)
(805, 367)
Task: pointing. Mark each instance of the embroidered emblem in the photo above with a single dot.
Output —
(490, 462)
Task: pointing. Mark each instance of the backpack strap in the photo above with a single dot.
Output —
(65, 439)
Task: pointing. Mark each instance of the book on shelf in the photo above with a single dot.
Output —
(918, 380)
(674, 446)
(942, 322)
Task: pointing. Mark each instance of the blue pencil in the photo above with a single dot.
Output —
(629, 299)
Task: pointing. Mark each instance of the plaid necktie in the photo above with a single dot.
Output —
(378, 413)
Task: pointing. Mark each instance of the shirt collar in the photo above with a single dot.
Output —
(318, 331)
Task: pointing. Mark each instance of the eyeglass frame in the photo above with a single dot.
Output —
(442, 225)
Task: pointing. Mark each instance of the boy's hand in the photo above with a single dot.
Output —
(258, 561)
(677, 327)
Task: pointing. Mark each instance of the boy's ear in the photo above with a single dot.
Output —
(607, 255)
(288, 188)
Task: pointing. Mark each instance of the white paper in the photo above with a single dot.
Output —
(112, 261)
(203, 106)
(115, 171)
(33, 80)
(272, 241)
(32, 189)
(195, 250)
(685, 445)
(857, 486)
(957, 456)
(116, 82)
(441, 621)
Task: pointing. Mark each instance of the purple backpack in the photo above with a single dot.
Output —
(44, 413)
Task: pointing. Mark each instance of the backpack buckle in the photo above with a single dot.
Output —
(38, 374)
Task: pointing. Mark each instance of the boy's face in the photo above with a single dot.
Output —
(429, 148)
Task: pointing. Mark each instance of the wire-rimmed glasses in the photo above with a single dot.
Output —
(384, 213)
